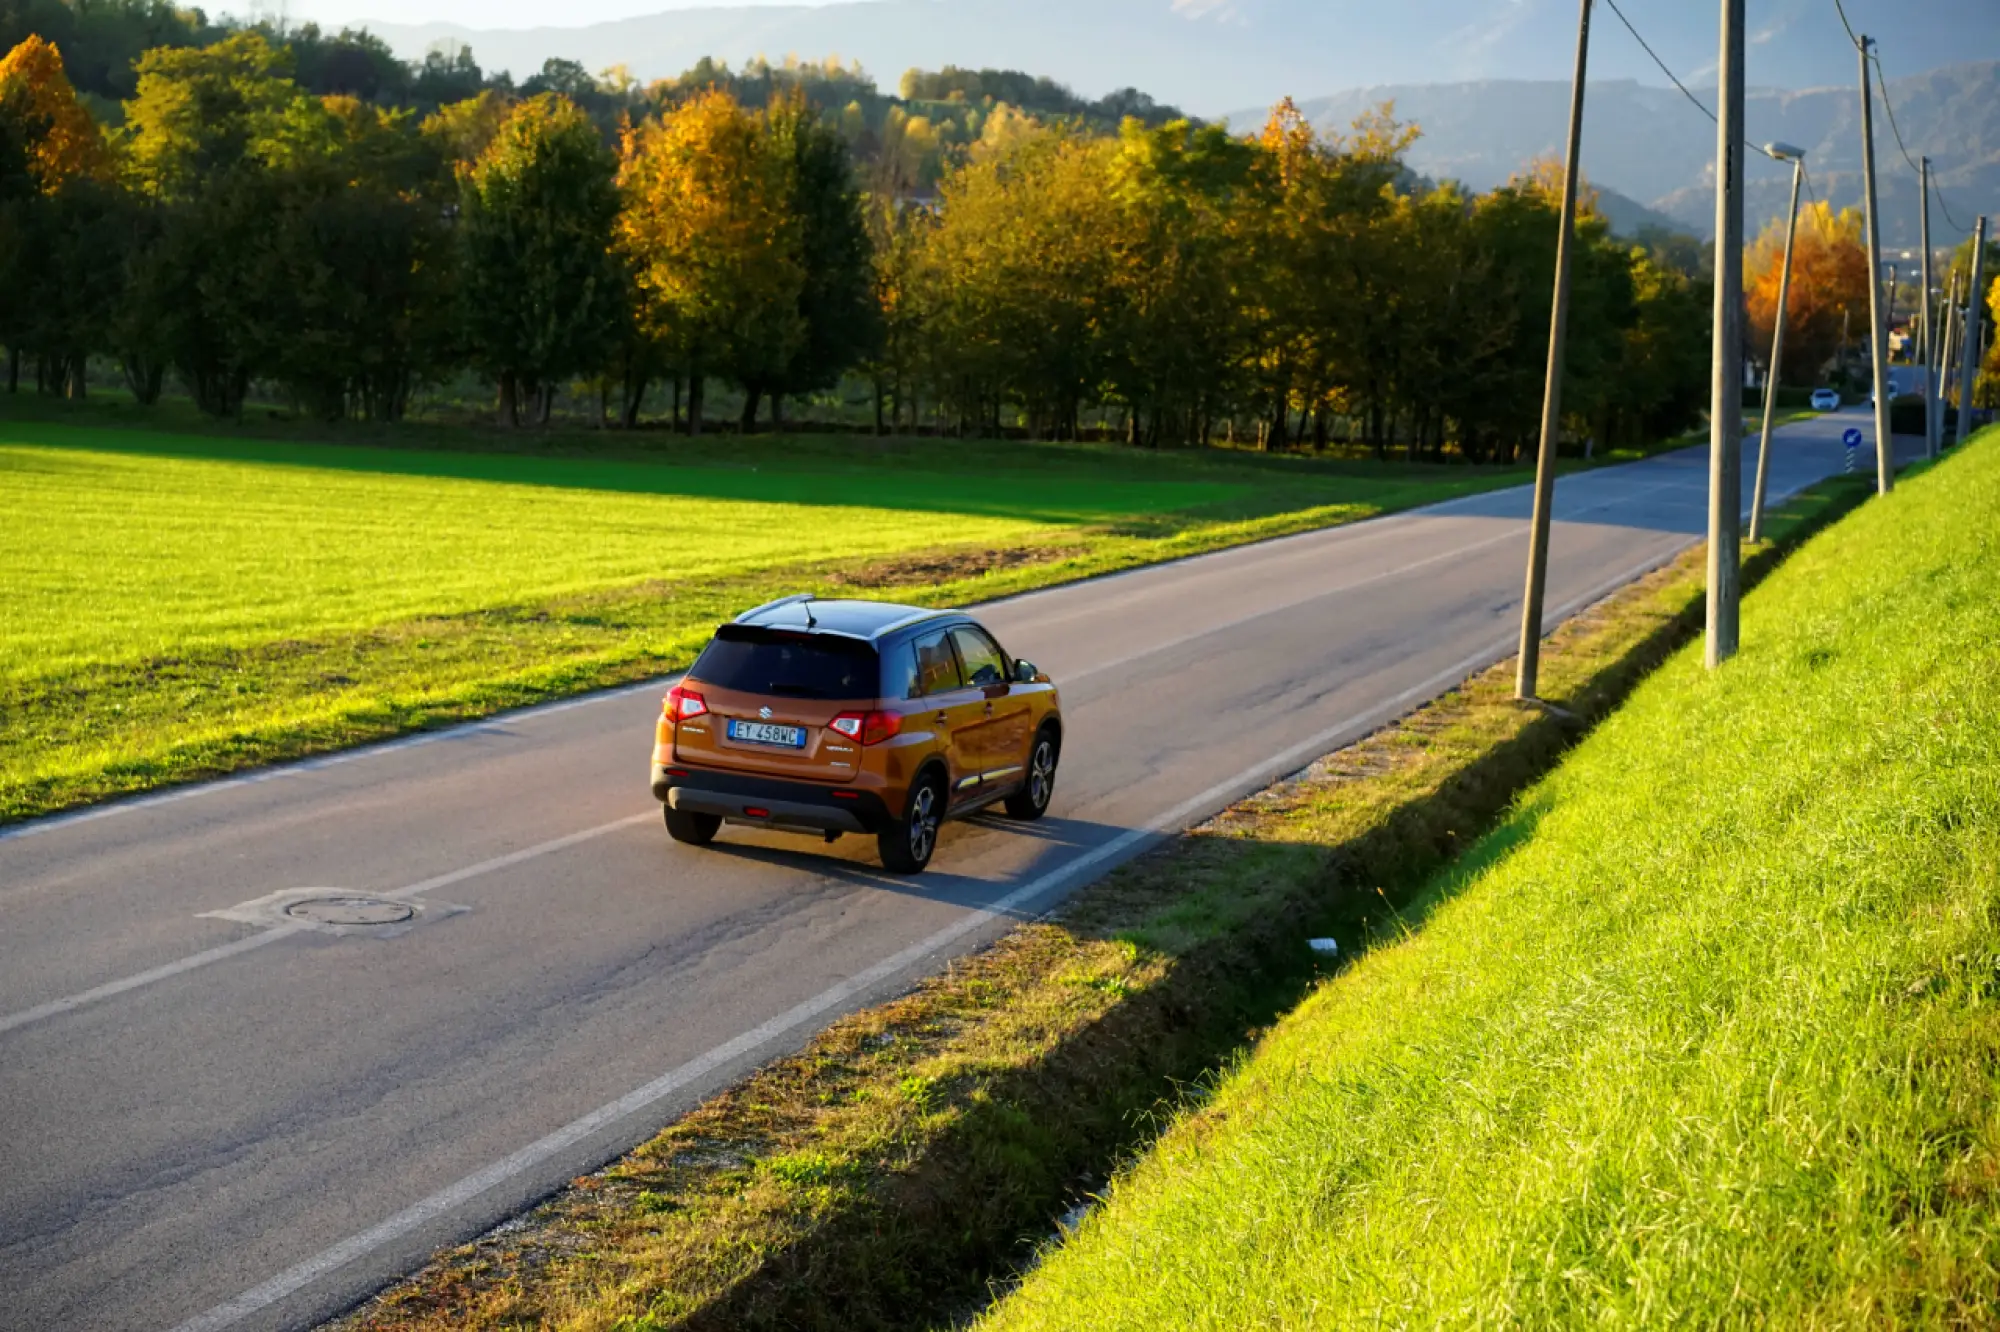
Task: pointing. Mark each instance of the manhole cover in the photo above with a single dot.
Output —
(350, 911)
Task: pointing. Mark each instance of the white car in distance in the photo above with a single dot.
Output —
(1824, 400)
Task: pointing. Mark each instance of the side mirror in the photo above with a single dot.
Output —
(1026, 672)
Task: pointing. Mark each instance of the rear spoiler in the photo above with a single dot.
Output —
(796, 599)
(738, 632)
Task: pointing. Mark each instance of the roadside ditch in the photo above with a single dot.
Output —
(915, 1156)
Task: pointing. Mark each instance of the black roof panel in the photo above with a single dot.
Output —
(861, 619)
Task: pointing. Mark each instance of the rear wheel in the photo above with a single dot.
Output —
(692, 829)
(906, 843)
(1039, 787)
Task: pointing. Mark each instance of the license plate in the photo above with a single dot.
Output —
(764, 733)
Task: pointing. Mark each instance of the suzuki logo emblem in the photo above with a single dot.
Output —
(765, 713)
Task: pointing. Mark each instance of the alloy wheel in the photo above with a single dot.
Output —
(923, 821)
(1042, 774)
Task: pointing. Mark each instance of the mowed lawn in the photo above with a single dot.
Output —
(121, 548)
(1705, 1034)
(173, 606)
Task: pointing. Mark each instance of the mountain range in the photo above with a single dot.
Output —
(1211, 56)
(1486, 80)
(1652, 146)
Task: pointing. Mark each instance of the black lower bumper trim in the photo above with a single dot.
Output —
(794, 806)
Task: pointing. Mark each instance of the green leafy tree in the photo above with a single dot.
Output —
(1021, 282)
(1174, 337)
(1662, 372)
(900, 237)
(199, 111)
(356, 269)
(541, 291)
(842, 322)
(713, 245)
(447, 75)
(193, 131)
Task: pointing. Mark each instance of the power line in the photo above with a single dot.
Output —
(1882, 78)
(1845, 24)
(1645, 46)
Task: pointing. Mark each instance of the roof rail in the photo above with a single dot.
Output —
(796, 599)
(914, 617)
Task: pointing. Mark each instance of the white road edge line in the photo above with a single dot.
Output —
(56, 1006)
(448, 1199)
(111, 989)
(1516, 531)
(1363, 529)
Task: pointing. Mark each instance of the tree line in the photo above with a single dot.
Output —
(1166, 280)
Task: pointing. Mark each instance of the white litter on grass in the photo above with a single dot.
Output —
(1324, 947)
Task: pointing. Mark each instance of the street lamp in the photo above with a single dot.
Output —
(1782, 152)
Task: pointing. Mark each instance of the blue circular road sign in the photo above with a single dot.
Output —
(1851, 437)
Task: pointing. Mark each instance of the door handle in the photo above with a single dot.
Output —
(942, 718)
(989, 709)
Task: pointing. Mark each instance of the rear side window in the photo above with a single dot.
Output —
(936, 666)
(789, 665)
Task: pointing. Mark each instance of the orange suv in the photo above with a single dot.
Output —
(836, 717)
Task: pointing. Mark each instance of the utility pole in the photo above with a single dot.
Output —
(1975, 300)
(1885, 444)
(1725, 407)
(1797, 157)
(1933, 427)
(1528, 677)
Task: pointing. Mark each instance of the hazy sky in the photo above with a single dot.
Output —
(480, 13)
(1794, 43)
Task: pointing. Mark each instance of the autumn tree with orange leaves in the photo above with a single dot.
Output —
(1829, 280)
(57, 290)
(43, 126)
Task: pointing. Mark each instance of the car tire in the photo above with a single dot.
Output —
(1039, 786)
(692, 829)
(906, 843)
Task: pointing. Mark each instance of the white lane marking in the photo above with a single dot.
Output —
(1514, 532)
(517, 857)
(1072, 677)
(1365, 529)
(112, 989)
(448, 1199)
(300, 767)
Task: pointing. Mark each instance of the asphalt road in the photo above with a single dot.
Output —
(243, 1121)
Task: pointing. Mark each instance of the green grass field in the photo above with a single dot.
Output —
(1705, 1034)
(173, 606)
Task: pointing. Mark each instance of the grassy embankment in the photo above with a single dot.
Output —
(176, 606)
(1705, 1033)
(916, 1151)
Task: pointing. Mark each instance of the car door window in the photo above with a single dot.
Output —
(937, 665)
(984, 663)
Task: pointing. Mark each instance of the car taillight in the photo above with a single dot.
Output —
(684, 704)
(870, 728)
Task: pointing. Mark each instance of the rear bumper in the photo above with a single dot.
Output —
(768, 803)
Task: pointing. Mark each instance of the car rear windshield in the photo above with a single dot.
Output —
(761, 661)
